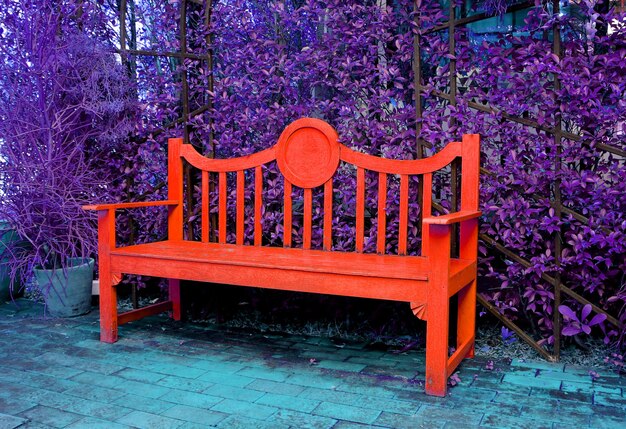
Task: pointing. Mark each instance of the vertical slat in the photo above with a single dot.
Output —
(470, 166)
(204, 210)
(404, 214)
(454, 188)
(222, 208)
(454, 200)
(427, 201)
(258, 203)
(240, 205)
(328, 214)
(308, 215)
(288, 214)
(382, 215)
(360, 208)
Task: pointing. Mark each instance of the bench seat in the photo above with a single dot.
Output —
(362, 275)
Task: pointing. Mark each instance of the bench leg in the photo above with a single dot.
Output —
(108, 308)
(174, 292)
(437, 331)
(467, 317)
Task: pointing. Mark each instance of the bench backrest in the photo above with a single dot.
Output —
(308, 154)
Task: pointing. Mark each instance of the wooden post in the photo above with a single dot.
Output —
(108, 292)
(558, 245)
(468, 243)
(175, 214)
(438, 311)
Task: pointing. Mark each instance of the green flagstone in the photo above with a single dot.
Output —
(302, 420)
(194, 415)
(288, 402)
(241, 422)
(346, 412)
(500, 420)
(10, 422)
(242, 408)
(275, 387)
(94, 423)
(50, 416)
(144, 420)
(170, 375)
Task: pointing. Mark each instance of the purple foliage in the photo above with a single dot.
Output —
(64, 104)
(513, 72)
(351, 64)
(576, 325)
(508, 337)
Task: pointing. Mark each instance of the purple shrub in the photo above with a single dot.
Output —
(64, 106)
(576, 325)
(513, 72)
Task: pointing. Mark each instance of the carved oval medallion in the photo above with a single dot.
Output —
(308, 152)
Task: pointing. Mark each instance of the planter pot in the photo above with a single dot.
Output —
(8, 239)
(67, 292)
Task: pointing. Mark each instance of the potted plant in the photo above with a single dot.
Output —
(63, 100)
(9, 243)
(67, 289)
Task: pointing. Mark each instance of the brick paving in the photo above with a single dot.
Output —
(164, 374)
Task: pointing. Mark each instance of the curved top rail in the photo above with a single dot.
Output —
(362, 160)
(398, 166)
(192, 156)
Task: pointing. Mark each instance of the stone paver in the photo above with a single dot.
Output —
(144, 420)
(172, 375)
(302, 420)
(93, 423)
(50, 416)
(288, 402)
(10, 422)
(195, 415)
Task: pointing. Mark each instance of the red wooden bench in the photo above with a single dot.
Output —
(308, 154)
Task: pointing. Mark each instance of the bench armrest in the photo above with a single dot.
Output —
(452, 218)
(106, 221)
(115, 206)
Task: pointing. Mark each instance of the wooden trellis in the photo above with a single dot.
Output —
(556, 200)
(128, 49)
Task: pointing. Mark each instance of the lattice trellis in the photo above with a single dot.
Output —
(128, 50)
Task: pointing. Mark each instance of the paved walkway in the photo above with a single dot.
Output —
(163, 374)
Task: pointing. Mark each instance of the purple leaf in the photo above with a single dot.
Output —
(570, 330)
(585, 312)
(598, 318)
(567, 312)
